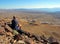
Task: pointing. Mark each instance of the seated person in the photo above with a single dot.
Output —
(16, 26)
(14, 22)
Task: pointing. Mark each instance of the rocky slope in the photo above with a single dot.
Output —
(10, 36)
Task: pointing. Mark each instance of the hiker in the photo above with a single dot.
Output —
(16, 26)
(14, 22)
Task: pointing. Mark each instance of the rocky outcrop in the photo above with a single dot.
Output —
(9, 36)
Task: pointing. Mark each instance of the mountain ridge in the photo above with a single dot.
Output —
(35, 9)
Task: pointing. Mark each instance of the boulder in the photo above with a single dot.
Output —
(8, 29)
(21, 42)
(2, 31)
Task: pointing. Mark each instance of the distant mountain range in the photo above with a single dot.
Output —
(34, 10)
(40, 9)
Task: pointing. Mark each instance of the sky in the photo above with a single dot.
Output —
(15, 4)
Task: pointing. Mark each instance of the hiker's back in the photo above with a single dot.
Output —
(14, 23)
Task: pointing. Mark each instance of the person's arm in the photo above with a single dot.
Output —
(18, 24)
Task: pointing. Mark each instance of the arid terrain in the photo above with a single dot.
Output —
(35, 23)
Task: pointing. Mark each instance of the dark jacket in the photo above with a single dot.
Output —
(14, 23)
